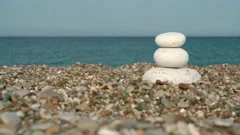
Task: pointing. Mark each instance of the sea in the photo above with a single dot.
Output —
(111, 51)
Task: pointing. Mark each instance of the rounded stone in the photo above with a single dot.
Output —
(174, 76)
(170, 39)
(10, 118)
(171, 57)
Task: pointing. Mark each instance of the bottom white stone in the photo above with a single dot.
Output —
(170, 75)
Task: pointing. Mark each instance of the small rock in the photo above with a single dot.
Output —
(182, 128)
(169, 119)
(67, 116)
(160, 93)
(11, 118)
(13, 99)
(2, 105)
(146, 87)
(42, 126)
(212, 99)
(83, 107)
(160, 82)
(21, 93)
(43, 100)
(52, 130)
(200, 114)
(183, 86)
(80, 88)
(13, 88)
(107, 131)
(47, 88)
(183, 104)
(154, 132)
(105, 87)
(37, 133)
(223, 122)
(145, 125)
(128, 124)
(85, 124)
(6, 130)
(130, 88)
(166, 103)
(2, 73)
(20, 114)
(193, 130)
(35, 106)
(50, 94)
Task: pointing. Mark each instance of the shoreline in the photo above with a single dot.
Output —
(79, 63)
(99, 99)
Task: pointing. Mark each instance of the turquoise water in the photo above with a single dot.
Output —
(112, 51)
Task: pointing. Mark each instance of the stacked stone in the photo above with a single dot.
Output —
(171, 60)
(170, 55)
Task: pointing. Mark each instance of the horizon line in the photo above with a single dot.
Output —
(109, 36)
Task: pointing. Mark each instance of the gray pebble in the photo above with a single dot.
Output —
(47, 88)
(160, 93)
(6, 131)
(11, 118)
(35, 106)
(223, 122)
(49, 94)
(67, 116)
(21, 93)
(183, 104)
(42, 126)
(166, 103)
(37, 133)
(154, 132)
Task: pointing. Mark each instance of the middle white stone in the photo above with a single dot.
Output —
(171, 57)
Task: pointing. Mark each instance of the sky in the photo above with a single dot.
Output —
(119, 17)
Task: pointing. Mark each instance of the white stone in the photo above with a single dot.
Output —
(174, 76)
(171, 57)
(170, 39)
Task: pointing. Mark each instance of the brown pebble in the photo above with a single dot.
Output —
(55, 100)
(105, 113)
(160, 82)
(13, 99)
(139, 132)
(43, 100)
(114, 85)
(105, 87)
(83, 107)
(50, 106)
(183, 86)
(181, 118)
(52, 130)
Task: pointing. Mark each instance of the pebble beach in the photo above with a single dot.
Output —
(95, 99)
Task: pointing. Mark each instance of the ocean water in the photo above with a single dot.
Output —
(111, 51)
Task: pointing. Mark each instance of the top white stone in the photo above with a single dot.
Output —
(170, 39)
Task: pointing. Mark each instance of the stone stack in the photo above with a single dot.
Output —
(172, 61)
